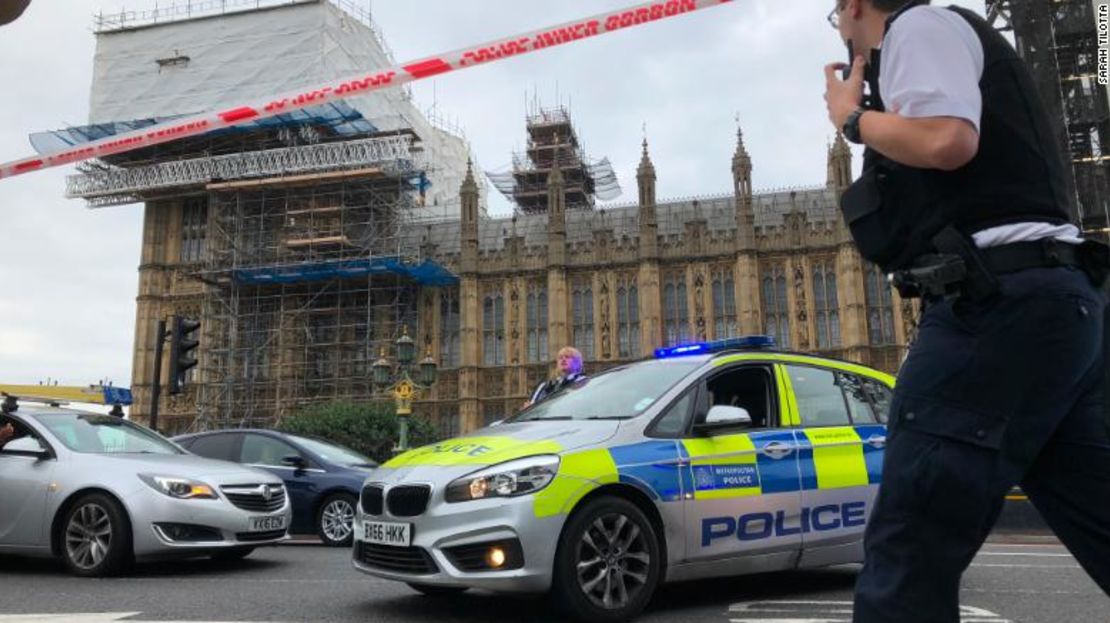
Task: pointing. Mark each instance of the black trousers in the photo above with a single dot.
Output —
(992, 394)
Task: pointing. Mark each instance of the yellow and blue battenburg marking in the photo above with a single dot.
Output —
(652, 467)
(756, 463)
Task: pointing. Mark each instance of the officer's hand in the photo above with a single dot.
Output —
(843, 96)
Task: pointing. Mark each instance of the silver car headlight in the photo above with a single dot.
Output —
(511, 479)
(180, 488)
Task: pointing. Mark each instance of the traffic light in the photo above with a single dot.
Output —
(183, 341)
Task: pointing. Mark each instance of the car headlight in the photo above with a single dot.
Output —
(511, 479)
(180, 488)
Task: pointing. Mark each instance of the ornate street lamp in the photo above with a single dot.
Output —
(397, 379)
(428, 370)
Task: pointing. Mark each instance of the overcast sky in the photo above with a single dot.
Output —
(68, 274)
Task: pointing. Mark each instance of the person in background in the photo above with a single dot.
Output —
(568, 362)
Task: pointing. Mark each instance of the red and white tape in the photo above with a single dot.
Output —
(393, 77)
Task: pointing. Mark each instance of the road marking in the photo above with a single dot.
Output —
(815, 611)
(999, 565)
(1023, 554)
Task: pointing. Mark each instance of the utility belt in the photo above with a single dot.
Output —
(961, 269)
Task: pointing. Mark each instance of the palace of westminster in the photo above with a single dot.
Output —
(307, 244)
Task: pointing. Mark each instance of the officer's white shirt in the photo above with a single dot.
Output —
(932, 62)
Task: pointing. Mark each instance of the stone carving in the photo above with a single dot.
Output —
(606, 333)
(800, 301)
(909, 320)
(699, 304)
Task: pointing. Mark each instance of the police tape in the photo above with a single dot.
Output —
(365, 83)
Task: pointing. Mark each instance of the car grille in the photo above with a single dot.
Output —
(412, 560)
(260, 536)
(408, 500)
(372, 499)
(252, 497)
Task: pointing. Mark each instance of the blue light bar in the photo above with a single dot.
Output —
(748, 342)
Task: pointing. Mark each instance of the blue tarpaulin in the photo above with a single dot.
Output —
(427, 273)
(339, 116)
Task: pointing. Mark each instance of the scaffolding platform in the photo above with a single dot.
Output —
(426, 273)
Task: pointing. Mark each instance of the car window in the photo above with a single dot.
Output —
(335, 453)
(819, 397)
(619, 393)
(215, 446)
(880, 396)
(19, 429)
(673, 422)
(858, 404)
(263, 450)
(749, 387)
(104, 434)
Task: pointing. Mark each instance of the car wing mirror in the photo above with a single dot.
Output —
(295, 461)
(723, 417)
(27, 446)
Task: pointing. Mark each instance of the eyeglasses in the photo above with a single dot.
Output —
(834, 16)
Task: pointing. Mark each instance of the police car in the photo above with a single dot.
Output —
(711, 459)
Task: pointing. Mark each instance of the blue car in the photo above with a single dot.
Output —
(322, 478)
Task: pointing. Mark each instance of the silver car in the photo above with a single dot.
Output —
(101, 492)
(714, 459)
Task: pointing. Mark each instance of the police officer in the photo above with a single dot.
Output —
(962, 199)
(568, 362)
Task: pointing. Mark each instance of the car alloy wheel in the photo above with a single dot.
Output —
(88, 536)
(608, 561)
(336, 520)
(94, 536)
(612, 561)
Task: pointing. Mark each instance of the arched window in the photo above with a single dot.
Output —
(582, 299)
(880, 307)
(826, 306)
(628, 320)
(449, 328)
(724, 304)
(776, 310)
(493, 330)
(537, 324)
(676, 317)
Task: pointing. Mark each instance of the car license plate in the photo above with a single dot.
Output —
(384, 533)
(267, 524)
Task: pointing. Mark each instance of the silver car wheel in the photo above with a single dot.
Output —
(337, 520)
(613, 561)
(89, 536)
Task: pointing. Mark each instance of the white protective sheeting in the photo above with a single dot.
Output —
(194, 65)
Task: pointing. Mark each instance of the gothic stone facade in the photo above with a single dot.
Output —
(620, 282)
(616, 283)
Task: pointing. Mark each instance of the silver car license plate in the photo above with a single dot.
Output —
(266, 524)
(385, 533)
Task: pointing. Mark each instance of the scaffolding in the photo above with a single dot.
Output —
(307, 284)
(553, 143)
(1058, 41)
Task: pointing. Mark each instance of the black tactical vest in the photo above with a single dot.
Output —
(894, 211)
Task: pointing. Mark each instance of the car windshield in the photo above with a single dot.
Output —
(335, 454)
(104, 434)
(617, 394)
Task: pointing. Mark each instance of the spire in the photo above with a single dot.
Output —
(646, 168)
(741, 166)
(469, 185)
(840, 163)
(645, 180)
(741, 157)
